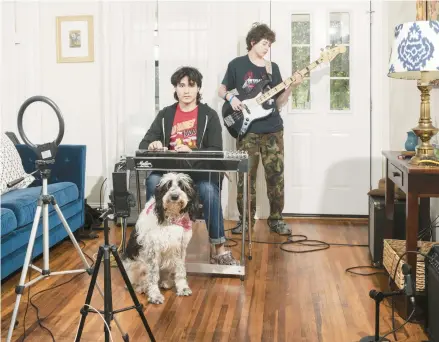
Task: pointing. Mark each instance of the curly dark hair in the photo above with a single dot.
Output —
(259, 32)
(192, 74)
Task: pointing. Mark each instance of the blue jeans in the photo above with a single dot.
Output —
(209, 198)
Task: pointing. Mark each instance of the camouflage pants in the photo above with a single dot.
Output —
(269, 148)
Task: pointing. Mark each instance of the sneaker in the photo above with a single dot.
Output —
(224, 259)
(279, 226)
(238, 228)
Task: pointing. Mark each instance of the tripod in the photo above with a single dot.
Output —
(123, 243)
(378, 297)
(45, 157)
(43, 206)
(104, 251)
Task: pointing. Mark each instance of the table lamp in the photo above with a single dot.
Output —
(415, 56)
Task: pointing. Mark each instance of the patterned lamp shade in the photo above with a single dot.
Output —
(415, 51)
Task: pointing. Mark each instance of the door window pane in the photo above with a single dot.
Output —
(300, 53)
(339, 28)
(340, 94)
(340, 65)
(300, 29)
(339, 33)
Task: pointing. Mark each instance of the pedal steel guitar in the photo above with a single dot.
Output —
(199, 161)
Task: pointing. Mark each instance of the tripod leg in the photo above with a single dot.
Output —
(108, 300)
(244, 219)
(81, 254)
(124, 234)
(139, 307)
(249, 218)
(85, 309)
(46, 266)
(69, 232)
(21, 285)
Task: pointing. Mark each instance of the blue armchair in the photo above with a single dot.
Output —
(18, 207)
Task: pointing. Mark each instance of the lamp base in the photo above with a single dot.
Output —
(424, 160)
(425, 131)
(423, 154)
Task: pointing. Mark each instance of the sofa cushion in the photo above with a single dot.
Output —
(11, 167)
(14, 248)
(23, 202)
(8, 221)
(20, 236)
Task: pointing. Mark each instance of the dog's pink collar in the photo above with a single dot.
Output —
(148, 210)
(184, 221)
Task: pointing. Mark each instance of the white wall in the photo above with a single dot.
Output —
(30, 56)
(404, 97)
(96, 99)
(380, 88)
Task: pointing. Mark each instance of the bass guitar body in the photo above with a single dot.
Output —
(238, 122)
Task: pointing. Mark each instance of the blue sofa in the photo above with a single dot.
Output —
(66, 183)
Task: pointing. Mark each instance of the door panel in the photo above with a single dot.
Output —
(327, 120)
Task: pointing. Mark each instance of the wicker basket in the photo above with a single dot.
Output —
(393, 250)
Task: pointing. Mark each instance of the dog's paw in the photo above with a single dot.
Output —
(139, 289)
(157, 298)
(184, 292)
(166, 284)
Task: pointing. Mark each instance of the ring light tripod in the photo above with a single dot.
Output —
(45, 157)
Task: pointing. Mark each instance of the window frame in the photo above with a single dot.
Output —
(351, 71)
(312, 109)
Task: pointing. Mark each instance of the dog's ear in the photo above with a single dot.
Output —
(158, 209)
(193, 203)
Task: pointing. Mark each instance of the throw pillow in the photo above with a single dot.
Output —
(11, 167)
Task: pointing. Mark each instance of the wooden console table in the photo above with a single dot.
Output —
(419, 183)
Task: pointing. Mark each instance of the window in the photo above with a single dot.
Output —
(339, 68)
(301, 53)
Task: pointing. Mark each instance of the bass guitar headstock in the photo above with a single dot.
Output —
(331, 51)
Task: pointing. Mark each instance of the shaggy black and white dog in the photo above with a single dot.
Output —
(156, 251)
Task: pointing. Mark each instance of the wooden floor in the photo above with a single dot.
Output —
(285, 297)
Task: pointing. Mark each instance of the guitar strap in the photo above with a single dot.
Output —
(268, 68)
(269, 73)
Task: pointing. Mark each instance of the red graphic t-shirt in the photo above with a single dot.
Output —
(184, 128)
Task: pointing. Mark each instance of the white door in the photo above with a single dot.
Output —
(327, 120)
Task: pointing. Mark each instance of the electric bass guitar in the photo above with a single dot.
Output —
(238, 122)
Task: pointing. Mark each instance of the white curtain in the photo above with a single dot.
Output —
(207, 35)
(128, 76)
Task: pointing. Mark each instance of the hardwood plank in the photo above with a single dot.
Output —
(285, 297)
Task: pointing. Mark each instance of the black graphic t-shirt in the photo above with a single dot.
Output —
(243, 75)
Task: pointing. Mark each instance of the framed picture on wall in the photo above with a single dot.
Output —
(74, 39)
